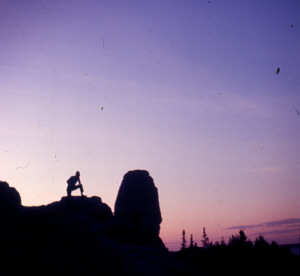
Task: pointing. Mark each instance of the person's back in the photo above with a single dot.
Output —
(72, 180)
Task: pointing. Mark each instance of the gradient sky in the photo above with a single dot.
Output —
(187, 90)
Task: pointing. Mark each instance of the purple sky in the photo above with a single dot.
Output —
(187, 90)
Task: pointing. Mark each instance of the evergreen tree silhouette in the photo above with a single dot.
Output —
(243, 237)
(191, 241)
(240, 240)
(205, 241)
(223, 241)
(261, 243)
(183, 243)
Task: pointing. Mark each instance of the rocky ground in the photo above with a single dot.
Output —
(81, 235)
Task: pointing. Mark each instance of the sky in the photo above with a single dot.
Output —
(187, 90)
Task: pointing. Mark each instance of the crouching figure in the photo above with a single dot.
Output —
(72, 184)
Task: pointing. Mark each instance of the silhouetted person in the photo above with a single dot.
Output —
(72, 184)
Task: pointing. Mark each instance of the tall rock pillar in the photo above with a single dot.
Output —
(137, 207)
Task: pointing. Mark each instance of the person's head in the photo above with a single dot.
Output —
(77, 174)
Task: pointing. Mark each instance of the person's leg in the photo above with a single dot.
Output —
(69, 192)
(81, 189)
(78, 187)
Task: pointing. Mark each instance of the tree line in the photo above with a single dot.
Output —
(240, 239)
(239, 256)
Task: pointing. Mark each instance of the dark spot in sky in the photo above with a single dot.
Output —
(55, 157)
(278, 70)
(292, 25)
(102, 107)
(297, 111)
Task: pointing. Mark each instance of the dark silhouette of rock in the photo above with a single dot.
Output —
(10, 199)
(77, 208)
(80, 235)
(137, 208)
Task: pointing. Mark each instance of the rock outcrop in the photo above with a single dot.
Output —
(89, 208)
(80, 235)
(137, 208)
(10, 199)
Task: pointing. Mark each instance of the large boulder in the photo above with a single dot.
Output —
(10, 199)
(137, 207)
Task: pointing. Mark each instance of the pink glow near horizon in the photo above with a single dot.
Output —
(185, 90)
